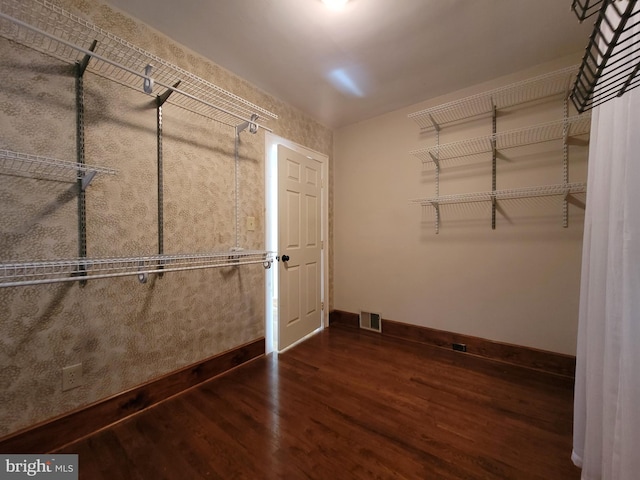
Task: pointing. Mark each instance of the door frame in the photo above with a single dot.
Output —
(271, 232)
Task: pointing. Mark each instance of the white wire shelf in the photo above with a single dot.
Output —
(51, 30)
(544, 132)
(547, 85)
(526, 192)
(57, 271)
(25, 164)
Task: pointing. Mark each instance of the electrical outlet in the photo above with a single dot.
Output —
(71, 376)
(459, 347)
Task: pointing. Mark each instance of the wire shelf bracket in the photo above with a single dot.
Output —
(47, 28)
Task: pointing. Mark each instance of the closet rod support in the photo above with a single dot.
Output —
(148, 82)
(253, 127)
(143, 276)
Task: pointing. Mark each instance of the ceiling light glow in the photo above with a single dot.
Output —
(335, 4)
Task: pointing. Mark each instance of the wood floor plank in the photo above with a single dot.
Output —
(347, 404)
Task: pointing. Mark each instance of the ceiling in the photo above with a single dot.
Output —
(372, 56)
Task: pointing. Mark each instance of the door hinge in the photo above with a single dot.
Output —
(321, 305)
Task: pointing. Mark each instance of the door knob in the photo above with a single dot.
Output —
(285, 258)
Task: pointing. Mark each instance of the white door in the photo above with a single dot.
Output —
(299, 246)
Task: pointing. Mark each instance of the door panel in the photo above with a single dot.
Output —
(312, 210)
(293, 295)
(299, 194)
(312, 287)
(293, 219)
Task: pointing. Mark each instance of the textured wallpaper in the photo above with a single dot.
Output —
(125, 333)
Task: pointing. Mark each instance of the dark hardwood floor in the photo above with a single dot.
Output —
(347, 404)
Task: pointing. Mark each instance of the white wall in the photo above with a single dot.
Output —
(517, 284)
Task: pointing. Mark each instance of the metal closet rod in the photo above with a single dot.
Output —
(126, 69)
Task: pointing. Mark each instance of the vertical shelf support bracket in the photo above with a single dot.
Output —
(160, 180)
(87, 177)
(565, 160)
(436, 162)
(83, 179)
(252, 128)
(160, 100)
(436, 207)
(236, 175)
(82, 201)
(494, 167)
